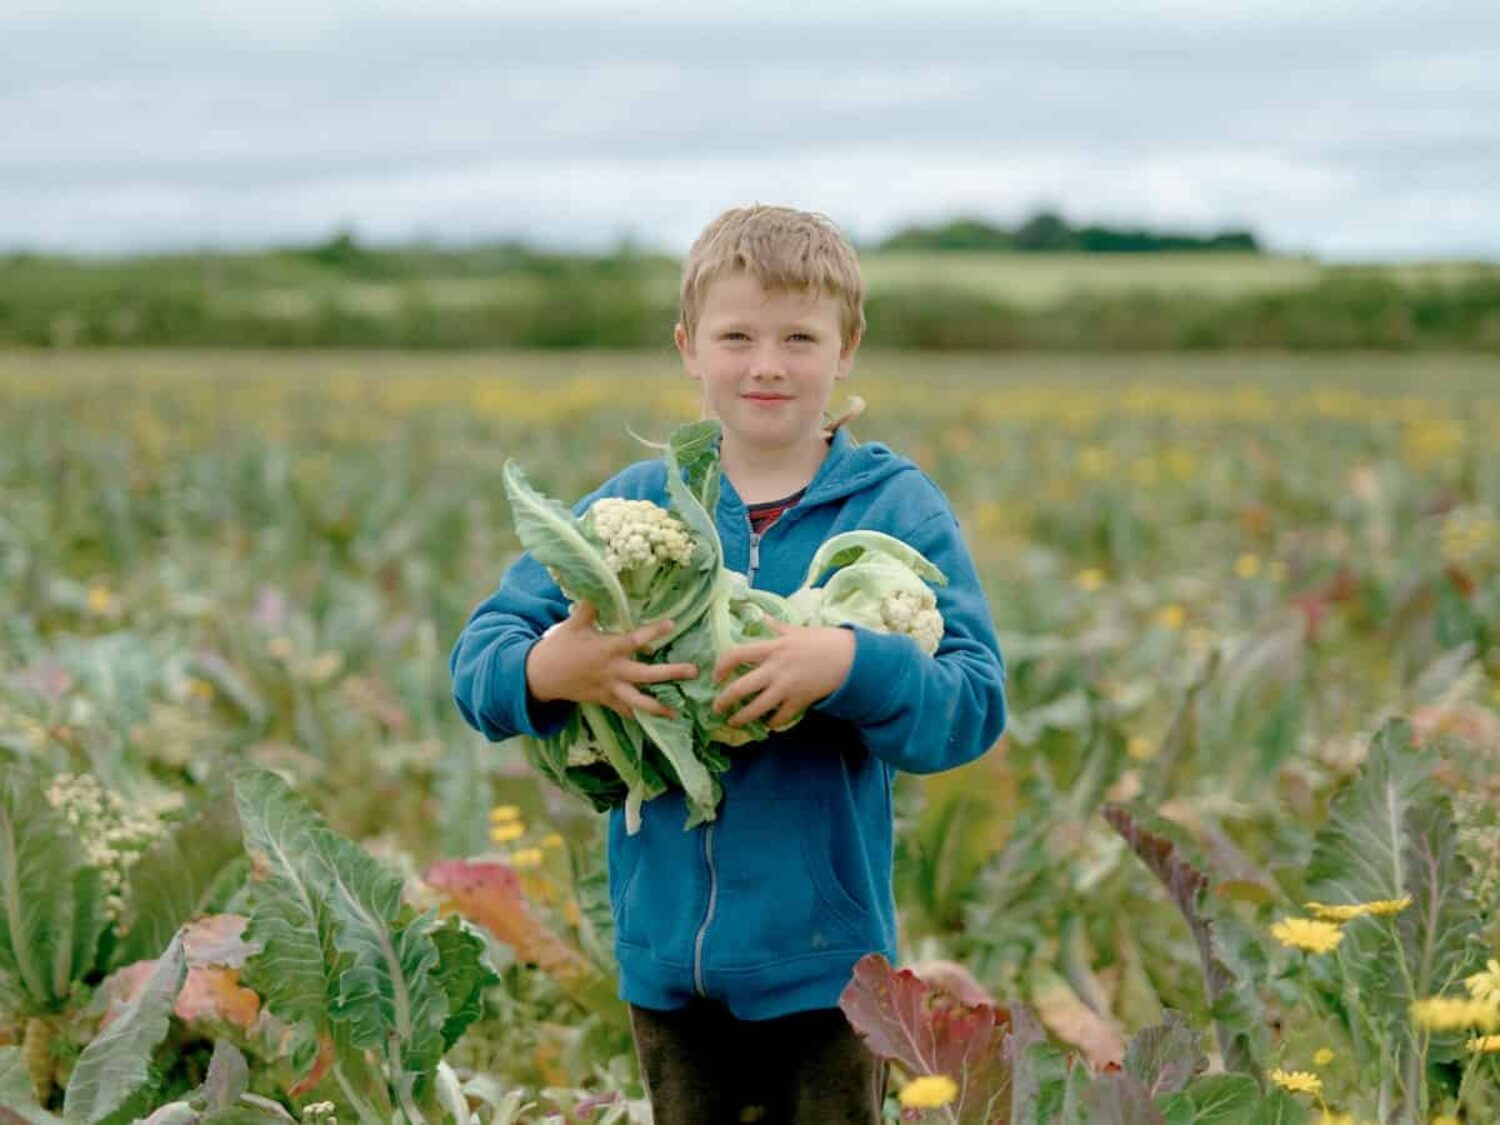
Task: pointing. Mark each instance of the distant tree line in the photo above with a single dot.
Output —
(1047, 232)
(343, 294)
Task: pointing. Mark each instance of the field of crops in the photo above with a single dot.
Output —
(1250, 610)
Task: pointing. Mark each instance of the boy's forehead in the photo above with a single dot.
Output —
(740, 293)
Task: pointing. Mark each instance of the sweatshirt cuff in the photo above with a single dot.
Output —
(533, 717)
(872, 687)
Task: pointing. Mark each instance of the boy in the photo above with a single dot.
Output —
(735, 939)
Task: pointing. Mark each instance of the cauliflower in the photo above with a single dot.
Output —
(114, 834)
(914, 613)
(638, 533)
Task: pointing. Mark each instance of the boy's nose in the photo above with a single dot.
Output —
(767, 361)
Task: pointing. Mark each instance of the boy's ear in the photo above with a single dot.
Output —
(684, 347)
(846, 355)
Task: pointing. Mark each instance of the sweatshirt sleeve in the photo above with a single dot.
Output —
(921, 713)
(488, 664)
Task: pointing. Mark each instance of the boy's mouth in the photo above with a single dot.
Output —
(760, 396)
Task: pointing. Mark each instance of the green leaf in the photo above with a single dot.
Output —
(1279, 1108)
(464, 972)
(1165, 1056)
(1117, 1098)
(173, 881)
(1224, 1099)
(1391, 834)
(556, 539)
(674, 738)
(378, 960)
(51, 902)
(16, 1092)
(1232, 998)
(851, 546)
(116, 1064)
(228, 1076)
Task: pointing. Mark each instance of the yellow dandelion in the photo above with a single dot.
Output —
(1246, 566)
(526, 857)
(1445, 1119)
(1378, 908)
(101, 601)
(1090, 580)
(1447, 1013)
(551, 840)
(507, 832)
(1140, 748)
(1484, 1045)
(1328, 1117)
(1297, 1081)
(1322, 1056)
(1171, 616)
(1485, 984)
(931, 1091)
(502, 813)
(202, 689)
(1307, 934)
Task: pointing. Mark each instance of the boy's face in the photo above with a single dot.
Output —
(767, 361)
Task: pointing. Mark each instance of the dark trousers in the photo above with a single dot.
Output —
(704, 1067)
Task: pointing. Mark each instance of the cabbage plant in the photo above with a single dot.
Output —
(637, 562)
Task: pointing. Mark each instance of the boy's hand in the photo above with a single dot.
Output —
(801, 666)
(575, 661)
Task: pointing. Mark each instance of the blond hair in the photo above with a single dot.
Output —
(785, 250)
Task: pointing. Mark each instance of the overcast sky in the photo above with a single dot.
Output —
(1366, 129)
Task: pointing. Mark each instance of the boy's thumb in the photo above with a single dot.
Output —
(585, 612)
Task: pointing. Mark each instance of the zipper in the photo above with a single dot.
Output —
(708, 915)
(708, 832)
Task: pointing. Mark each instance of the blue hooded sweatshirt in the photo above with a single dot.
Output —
(768, 907)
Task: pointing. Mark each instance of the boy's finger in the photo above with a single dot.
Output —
(748, 684)
(584, 613)
(662, 673)
(762, 704)
(640, 701)
(640, 638)
(752, 653)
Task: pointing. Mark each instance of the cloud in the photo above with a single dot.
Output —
(1325, 128)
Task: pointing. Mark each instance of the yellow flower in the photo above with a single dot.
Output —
(1485, 985)
(1297, 1081)
(1379, 908)
(201, 688)
(1445, 1119)
(1447, 1013)
(1171, 616)
(1322, 1057)
(1304, 933)
(1090, 580)
(502, 813)
(101, 601)
(1328, 1117)
(928, 1092)
(552, 840)
(1140, 748)
(526, 857)
(1485, 1045)
(508, 832)
(1247, 566)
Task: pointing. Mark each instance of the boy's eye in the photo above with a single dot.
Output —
(804, 336)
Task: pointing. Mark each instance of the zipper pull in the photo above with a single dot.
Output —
(754, 552)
